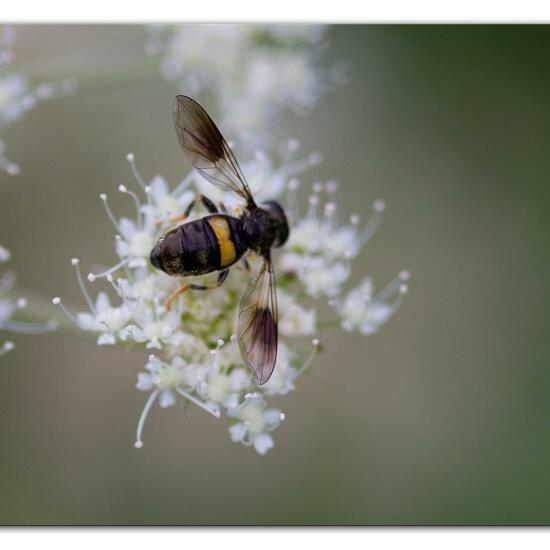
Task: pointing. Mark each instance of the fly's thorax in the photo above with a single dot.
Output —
(167, 253)
(264, 227)
(281, 227)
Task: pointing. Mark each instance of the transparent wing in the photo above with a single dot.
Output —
(206, 148)
(257, 326)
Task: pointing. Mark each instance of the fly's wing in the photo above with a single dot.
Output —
(206, 148)
(257, 326)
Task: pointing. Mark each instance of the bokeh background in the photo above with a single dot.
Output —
(443, 417)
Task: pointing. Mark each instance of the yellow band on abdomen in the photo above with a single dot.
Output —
(223, 234)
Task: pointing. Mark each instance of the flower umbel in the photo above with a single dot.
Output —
(10, 307)
(262, 69)
(197, 357)
(17, 96)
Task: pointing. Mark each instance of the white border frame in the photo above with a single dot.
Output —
(342, 11)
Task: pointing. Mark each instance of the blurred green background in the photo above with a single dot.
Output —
(441, 418)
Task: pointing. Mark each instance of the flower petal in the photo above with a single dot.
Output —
(262, 443)
(145, 382)
(237, 432)
(102, 303)
(106, 339)
(167, 398)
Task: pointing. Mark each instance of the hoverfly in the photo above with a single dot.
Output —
(217, 241)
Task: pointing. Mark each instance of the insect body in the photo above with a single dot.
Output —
(217, 241)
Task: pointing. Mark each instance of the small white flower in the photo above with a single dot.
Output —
(342, 242)
(362, 312)
(110, 322)
(165, 203)
(255, 421)
(294, 320)
(307, 237)
(322, 277)
(166, 381)
(226, 388)
(135, 243)
(155, 327)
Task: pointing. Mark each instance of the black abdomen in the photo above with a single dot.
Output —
(209, 244)
(201, 246)
(199, 251)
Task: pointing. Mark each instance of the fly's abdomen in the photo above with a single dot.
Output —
(209, 244)
(199, 249)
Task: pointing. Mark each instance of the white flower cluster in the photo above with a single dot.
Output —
(10, 306)
(319, 253)
(261, 69)
(191, 347)
(17, 96)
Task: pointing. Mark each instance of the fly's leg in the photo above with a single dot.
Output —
(205, 201)
(222, 276)
(175, 294)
